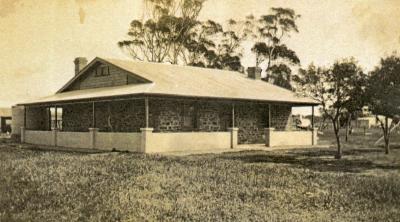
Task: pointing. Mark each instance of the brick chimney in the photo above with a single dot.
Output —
(254, 72)
(80, 63)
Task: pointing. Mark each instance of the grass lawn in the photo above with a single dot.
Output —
(282, 185)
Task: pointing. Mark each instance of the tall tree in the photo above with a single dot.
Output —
(200, 40)
(228, 50)
(332, 88)
(162, 36)
(173, 34)
(384, 94)
(270, 32)
(215, 46)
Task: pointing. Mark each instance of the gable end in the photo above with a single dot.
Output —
(100, 74)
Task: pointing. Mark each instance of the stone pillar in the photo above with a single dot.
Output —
(146, 137)
(18, 115)
(234, 137)
(93, 132)
(314, 136)
(22, 131)
(268, 132)
(55, 131)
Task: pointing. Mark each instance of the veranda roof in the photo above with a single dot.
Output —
(183, 81)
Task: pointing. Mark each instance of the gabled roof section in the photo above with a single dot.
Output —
(185, 81)
(205, 82)
(90, 65)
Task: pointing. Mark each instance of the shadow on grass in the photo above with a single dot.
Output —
(321, 160)
(332, 152)
(63, 150)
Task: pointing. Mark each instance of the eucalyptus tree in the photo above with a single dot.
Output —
(228, 49)
(199, 42)
(269, 33)
(161, 37)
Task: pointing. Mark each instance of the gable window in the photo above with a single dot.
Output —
(103, 70)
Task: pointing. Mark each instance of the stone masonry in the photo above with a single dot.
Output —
(252, 119)
(168, 115)
(77, 117)
(37, 118)
(281, 117)
(120, 116)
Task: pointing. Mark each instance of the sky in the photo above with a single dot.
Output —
(39, 39)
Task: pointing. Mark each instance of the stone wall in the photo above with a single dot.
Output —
(214, 116)
(37, 118)
(169, 116)
(120, 116)
(166, 115)
(77, 117)
(281, 117)
(251, 119)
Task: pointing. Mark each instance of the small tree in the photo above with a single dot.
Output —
(384, 94)
(332, 88)
(357, 99)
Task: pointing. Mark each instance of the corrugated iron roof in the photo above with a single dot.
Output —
(188, 81)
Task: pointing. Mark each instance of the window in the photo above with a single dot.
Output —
(56, 118)
(102, 70)
(189, 117)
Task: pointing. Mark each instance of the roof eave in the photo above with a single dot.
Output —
(294, 103)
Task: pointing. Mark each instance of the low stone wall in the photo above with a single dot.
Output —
(290, 138)
(92, 139)
(73, 139)
(146, 141)
(38, 137)
(157, 142)
(120, 141)
(187, 141)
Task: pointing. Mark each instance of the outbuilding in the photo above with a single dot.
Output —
(153, 107)
(5, 120)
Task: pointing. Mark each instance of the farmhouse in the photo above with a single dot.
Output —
(152, 107)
